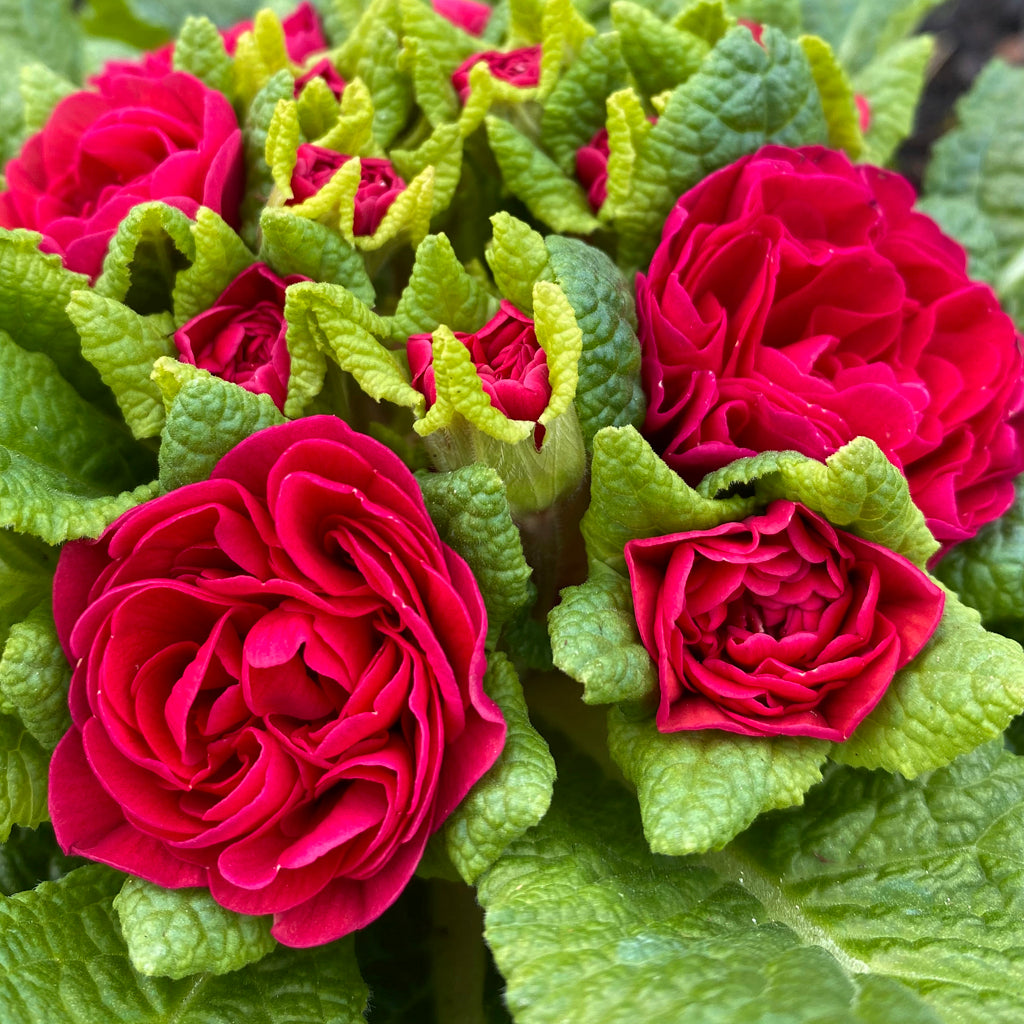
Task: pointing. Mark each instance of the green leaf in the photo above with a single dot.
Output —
(70, 964)
(783, 14)
(200, 51)
(206, 417)
(34, 676)
(440, 291)
(517, 257)
(594, 639)
(575, 110)
(34, 290)
(173, 933)
(609, 392)
(352, 133)
(220, 256)
(536, 179)
(961, 690)
(958, 218)
(61, 462)
(514, 795)
(41, 90)
(295, 245)
(836, 93)
(698, 790)
(26, 580)
(471, 512)
(283, 138)
(443, 153)
(660, 56)
(882, 900)
(24, 765)
(892, 84)
(31, 856)
(985, 571)
(123, 346)
(627, 128)
(743, 97)
(259, 182)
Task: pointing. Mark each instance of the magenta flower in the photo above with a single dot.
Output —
(517, 67)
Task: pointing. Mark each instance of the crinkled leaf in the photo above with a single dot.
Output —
(660, 56)
(609, 392)
(139, 266)
(472, 515)
(743, 97)
(26, 579)
(61, 462)
(352, 133)
(295, 245)
(594, 639)
(41, 90)
(563, 31)
(960, 691)
(442, 152)
(514, 795)
(440, 291)
(34, 290)
(698, 790)
(537, 180)
(34, 676)
(880, 900)
(206, 417)
(892, 84)
(200, 51)
(260, 54)
(172, 933)
(836, 93)
(707, 19)
(259, 182)
(627, 128)
(220, 256)
(525, 21)
(559, 335)
(24, 764)
(283, 137)
(634, 494)
(318, 108)
(71, 964)
(575, 110)
(123, 346)
(517, 257)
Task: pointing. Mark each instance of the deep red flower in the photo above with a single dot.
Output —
(779, 625)
(241, 337)
(379, 183)
(592, 168)
(277, 683)
(509, 361)
(797, 301)
(517, 67)
(135, 138)
(469, 15)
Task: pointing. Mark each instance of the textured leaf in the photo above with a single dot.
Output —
(173, 933)
(200, 51)
(836, 93)
(442, 152)
(123, 346)
(783, 14)
(206, 417)
(698, 790)
(559, 335)
(627, 128)
(660, 56)
(352, 133)
(24, 764)
(70, 964)
(61, 462)
(960, 691)
(609, 392)
(41, 90)
(260, 54)
(440, 291)
(881, 900)
(472, 515)
(259, 182)
(517, 257)
(536, 179)
(283, 138)
(514, 795)
(26, 579)
(295, 245)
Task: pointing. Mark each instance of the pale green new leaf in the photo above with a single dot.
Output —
(609, 392)
(259, 182)
(471, 512)
(627, 128)
(440, 291)
(62, 463)
(352, 133)
(260, 53)
(881, 900)
(698, 790)
(318, 109)
(123, 346)
(173, 933)
(206, 417)
(563, 31)
(26, 580)
(41, 90)
(659, 56)
(200, 51)
(220, 256)
(24, 764)
(283, 138)
(559, 335)
(517, 257)
(892, 84)
(296, 245)
(514, 795)
(594, 639)
(575, 110)
(70, 964)
(442, 152)
(34, 676)
(537, 180)
(836, 93)
(960, 691)
(707, 19)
